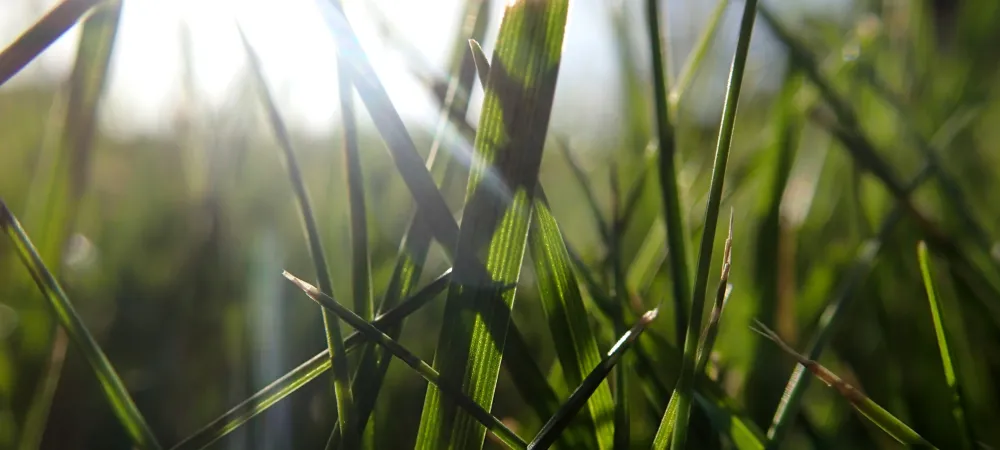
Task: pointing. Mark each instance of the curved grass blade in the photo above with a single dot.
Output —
(685, 383)
(593, 381)
(416, 242)
(879, 416)
(41, 35)
(512, 129)
(707, 341)
(304, 373)
(60, 181)
(114, 389)
(693, 62)
(676, 236)
(958, 400)
(425, 370)
(567, 319)
(338, 356)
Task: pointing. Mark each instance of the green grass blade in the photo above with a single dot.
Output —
(878, 415)
(390, 125)
(622, 411)
(43, 33)
(335, 343)
(114, 389)
(567, 318)
(685, 383)
(305, 372)
(451, 389)
(676, 236)
(694, 61)
(581, 177)
(947, 362)
(593, 381)
(509, 144)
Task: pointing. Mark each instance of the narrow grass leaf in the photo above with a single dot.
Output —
(697, 56)
(567, 318)
(947, 362)
(878, 415)
(676, 236)
(114, 389)
(338, 356)
(370, 332)
(581, 177)
(509, 143)
(41, 35)
(305, 372)
(622, 411)
(590, 384)
(686, 381)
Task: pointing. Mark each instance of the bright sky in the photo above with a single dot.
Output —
(298, 55)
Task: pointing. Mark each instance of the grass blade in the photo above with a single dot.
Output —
(425, 370)
(509, 144)
(685, 383)
(567, 318)
(947, 362)
(879, 416)
(114, 389)
(588, 191)
(693, 62)
(593, 381)
(338, 356)
(676, 236)
(41, 35)
(623, 428)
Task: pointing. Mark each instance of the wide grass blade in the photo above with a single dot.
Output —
(335, 343)
(947, 362)
(685, 383)
(707, 341)
(305, 372)
(878, 415)
(114, 389)
(593, 381)
(676, 236)
(41, 35)
(451, 389)
(509, 143)
(567, 318)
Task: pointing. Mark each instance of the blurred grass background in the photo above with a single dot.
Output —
(175, 223)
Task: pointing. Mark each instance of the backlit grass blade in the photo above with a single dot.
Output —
(593, 381)
(958, 400)
(305, 372)
(59, 183)
(676, 236)
(368, 379)
(707, 341)
(114, 389)
(878, 415)
(567, 318)
(694, 61)
(686, 381)
(495, 220)
(43, 33)
(338, 356)
(390, 125)
(370, 332)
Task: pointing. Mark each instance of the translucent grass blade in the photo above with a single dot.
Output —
(694, 61)
(43, 33)
(60, 181)
(707, 341)
(947, 362)
(451, 389)
(878, 415)
(596, 378)
(676, 236)
(508, 152)
(114, 389)
(338, 356)
(305, 372)
(685, 383)
(567, 319)
(416, 242)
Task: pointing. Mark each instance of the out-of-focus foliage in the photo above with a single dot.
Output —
(175, 256)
